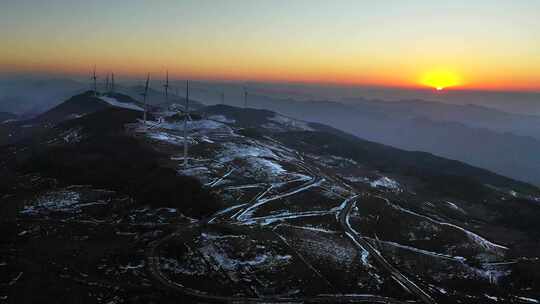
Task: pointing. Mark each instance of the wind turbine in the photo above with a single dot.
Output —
(112, 82)
(94, 78)
(166, 86)
(222, 97)
(145, 95)
(186, 114)
(107, 83)
(245, 98)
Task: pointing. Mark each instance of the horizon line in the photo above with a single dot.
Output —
(239, 80)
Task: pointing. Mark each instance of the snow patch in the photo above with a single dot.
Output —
(72, 136)
(291, 123)
(471, 235)
(421, 251)
(232, 264)
(267, 166)
(213, 237)
(233, 151)
(222, 119)
(169, 138)
(8, 121)
(385, 182)
(261, 160)
(114, 102)
(199, 171)
(528, 300)
(59, 201)
(192, 125)
(204, 124)
(281, 217)
(491, 297)
(455, 207)
(356, 179)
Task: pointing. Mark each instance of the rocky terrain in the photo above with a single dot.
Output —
(101, 207)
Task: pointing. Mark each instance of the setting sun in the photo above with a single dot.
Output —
(441, 79)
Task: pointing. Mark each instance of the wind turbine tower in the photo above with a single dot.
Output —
(145, 97)
(166, 86)
(107, 83)
(112, 82)
(186, 114)
(245, 98)
(94, 78)
(222, 97)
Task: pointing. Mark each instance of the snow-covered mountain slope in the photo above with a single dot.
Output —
(111, 100)
(175, 98)
(73, 108)
(87, 103)
(6, 117)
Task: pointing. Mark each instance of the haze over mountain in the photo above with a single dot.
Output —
(503, 142)
(33, 95)
(481, 135)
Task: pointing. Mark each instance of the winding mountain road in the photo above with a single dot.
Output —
(154, 270)
(243, 214)
(343, 218)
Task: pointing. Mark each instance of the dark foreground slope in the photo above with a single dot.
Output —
(74, 107)
(95, 150)
(78, 203)
(100, 209)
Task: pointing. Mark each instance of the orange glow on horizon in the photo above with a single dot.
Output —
(438, 79)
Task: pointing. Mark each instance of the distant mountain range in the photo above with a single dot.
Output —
(6, 116)
(30, 97)
(374, 154)
(475, 116)
(501, 142)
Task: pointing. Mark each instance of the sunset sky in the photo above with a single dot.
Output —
(463, 43)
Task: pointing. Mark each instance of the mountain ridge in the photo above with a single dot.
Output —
(265, 204)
